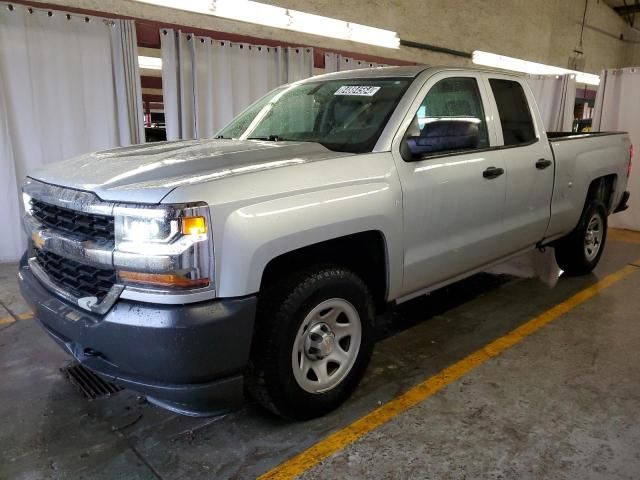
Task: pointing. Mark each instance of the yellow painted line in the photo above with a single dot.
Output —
(11, 319)
(626, 236)
(340, 439)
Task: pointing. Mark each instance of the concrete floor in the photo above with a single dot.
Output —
(564, 403)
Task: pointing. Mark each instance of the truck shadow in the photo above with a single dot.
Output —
(406, 315)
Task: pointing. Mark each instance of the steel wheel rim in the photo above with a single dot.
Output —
(593, 237)
(326, 345)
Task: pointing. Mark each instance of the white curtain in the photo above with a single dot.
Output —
(617, 109)
(556, 99)
(10, 243)
(335, 62)
(299, 63)
(59, 97)
(207, 82)
(124, 49)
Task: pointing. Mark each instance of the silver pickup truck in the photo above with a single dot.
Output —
(195, 271)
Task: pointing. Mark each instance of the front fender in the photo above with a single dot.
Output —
(255, 234)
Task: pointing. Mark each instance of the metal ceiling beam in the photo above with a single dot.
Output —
(151, 82)
(148, 97)
(627, 9)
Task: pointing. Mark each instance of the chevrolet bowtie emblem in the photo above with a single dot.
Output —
(38, 241)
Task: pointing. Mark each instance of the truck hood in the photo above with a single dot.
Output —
(147, 173)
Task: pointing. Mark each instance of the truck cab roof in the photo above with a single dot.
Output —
(405, 71)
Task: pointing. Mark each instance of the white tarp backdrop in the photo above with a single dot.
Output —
(335, 62)
(556, 98)
(124, 49)
(207, 82)
(64, 91)
(617, 108)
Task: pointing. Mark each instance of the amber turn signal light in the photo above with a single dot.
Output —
(194, 226)
(162, 280)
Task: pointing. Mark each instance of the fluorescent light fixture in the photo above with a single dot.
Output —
(278, 17)
(150, 63)
(524, 66)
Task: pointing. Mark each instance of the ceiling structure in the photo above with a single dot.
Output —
(627, 9)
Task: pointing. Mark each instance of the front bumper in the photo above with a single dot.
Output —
(187, 358)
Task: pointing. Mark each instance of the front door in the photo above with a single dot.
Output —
(453, 182)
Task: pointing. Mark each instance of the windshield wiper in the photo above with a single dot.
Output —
(270, 138)
(277, 138)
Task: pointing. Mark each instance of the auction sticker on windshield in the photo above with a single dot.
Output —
(363, 91)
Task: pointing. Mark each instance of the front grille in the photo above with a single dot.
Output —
(79, 279)
(88, 226)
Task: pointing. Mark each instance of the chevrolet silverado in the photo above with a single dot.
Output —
(255, 262)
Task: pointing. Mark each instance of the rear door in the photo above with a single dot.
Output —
(453, 181)
(528, 161)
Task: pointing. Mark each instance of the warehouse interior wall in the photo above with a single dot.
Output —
(633, 55)
(545, 31)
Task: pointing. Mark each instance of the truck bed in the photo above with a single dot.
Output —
(595, 155)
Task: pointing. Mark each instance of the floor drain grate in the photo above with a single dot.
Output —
(90, 385)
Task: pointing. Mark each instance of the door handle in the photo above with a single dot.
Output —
(492, 172)
(543, 163)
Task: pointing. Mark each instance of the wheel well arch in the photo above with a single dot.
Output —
(365, 253)
(603, 189)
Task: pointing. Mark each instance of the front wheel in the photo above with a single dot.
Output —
(580, 251)
(312, 344)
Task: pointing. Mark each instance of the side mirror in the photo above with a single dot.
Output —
(443, 136)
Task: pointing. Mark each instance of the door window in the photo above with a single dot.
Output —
(450, 119)
(513, 108)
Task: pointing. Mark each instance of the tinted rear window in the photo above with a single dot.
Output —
(513, 108)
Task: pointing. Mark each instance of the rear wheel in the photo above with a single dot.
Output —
(580, 252)
(312, 344)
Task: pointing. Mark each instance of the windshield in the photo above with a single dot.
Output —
(343, 115)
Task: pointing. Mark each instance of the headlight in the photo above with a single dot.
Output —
(154, 230)
(137, 227)
(165, 247)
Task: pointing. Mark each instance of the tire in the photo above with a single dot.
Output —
(580, 251)
(311, 322)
